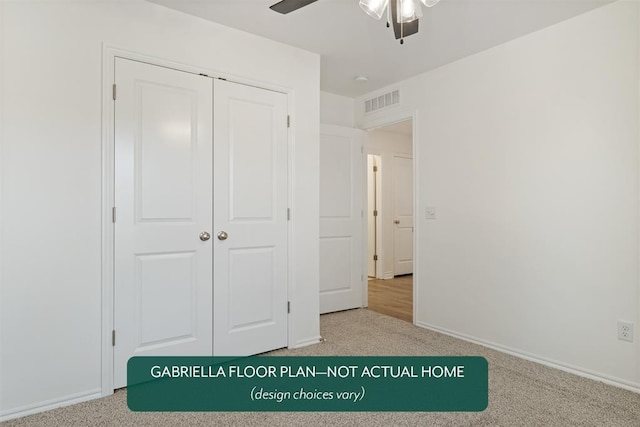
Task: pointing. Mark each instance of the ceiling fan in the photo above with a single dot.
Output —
(403, 14)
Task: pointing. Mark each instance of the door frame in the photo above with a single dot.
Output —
(109, 54)
(377, 273)
(386, 120)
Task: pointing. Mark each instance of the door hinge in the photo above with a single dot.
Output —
(288, 214)
(113, 338)
(375, 169)
(288, 121)
(288, 306)
(375, 213)
(113, 214)
(114, 91)
(375, 257)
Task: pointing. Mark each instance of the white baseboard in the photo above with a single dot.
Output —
(581, 372)
(387, 275)
(50, 404)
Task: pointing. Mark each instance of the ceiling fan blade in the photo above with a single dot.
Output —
(286, 6)
(409, 28)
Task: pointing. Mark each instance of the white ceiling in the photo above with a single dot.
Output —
(353, 44)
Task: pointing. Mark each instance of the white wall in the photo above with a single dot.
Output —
(51, 64)
(529, 151)
(386, 145)
(336, 110)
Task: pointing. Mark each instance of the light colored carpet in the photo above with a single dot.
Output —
(521, 393)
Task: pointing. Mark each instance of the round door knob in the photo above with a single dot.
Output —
(397, 221)
(222, 235)
(204, 236)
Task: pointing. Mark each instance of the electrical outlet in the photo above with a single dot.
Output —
(625, 331)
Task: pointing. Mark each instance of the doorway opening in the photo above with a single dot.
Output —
(390, 224)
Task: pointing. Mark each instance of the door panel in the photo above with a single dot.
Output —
(250, 186)
(403, 213)
(337, 253)
(341, 219)
(162, 278)
(163, 197)
(165, 151)
(246, 301)
(253, 144)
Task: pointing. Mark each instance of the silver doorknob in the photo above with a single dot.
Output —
(204, 236)
(222, 235)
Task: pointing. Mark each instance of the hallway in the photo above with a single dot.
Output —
(393, 297)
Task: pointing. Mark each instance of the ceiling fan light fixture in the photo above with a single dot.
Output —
(429, 3)
(374, 8)
(408, 11)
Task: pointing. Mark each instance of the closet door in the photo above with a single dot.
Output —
(250, 219)
(163, 199)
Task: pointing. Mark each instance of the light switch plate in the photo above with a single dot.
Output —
(430, 212)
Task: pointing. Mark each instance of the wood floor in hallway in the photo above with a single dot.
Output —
(393, 297)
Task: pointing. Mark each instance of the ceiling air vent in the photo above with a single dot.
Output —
(383, 101)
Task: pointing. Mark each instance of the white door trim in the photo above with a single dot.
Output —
(109, 53)
(379, 273)
(386, 120)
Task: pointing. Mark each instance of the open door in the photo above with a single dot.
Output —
(341, 218)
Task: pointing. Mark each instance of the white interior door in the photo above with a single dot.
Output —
(163, 198)
(403, 214)
(250, 219)
(341, 218)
